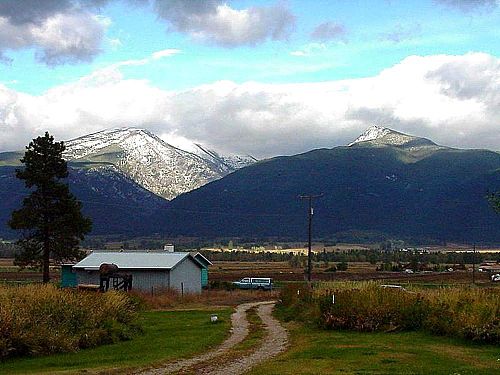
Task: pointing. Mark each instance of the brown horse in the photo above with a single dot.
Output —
(108, 269)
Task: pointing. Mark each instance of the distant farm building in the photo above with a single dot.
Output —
(151, 270)
(489, 266)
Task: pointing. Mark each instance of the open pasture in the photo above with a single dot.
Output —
(283, 271)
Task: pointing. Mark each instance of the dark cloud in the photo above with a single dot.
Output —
(182, 13)
(328, 31)
(214, 21)
(32, 11)
(469, 81)
(469, 5)
(60, 31)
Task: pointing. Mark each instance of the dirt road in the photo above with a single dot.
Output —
(274, 342)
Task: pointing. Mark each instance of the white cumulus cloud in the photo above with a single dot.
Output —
(453, 100)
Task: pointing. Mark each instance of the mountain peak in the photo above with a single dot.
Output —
(371, 133)
(379, 136)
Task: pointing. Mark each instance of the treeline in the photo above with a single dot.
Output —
(371, 256)
(8, 250)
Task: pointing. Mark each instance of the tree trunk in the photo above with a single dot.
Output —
(46, 238)
(46, 246)
(46, 261)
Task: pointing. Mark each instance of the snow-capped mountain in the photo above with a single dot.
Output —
(380, 136)
(154, 164)
(226, 162)
(370, 134)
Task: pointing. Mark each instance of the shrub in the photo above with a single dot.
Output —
(297, 303)
(42, 319)
(342, 266)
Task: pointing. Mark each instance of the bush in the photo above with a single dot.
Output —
(342, 266)
(297, 303)
(42, 319)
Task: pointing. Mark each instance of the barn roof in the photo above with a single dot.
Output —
(133, 260)
(201, 259)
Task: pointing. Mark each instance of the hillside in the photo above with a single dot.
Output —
(410, 188)
(385, 182)
(115, 203)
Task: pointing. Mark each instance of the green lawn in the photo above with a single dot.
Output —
(315, 351)
(168, 335)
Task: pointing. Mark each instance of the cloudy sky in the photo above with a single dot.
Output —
(258, 77)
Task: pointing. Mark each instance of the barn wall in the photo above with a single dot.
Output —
(141, 280)
(189, 273)
(87, 277)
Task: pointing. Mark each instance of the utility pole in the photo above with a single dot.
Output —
(311, 213)
(474, 264)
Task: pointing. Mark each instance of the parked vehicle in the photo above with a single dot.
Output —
(495, 278)
(263, 283)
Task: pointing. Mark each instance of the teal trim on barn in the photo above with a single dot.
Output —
(68, 276)
(204, 263)
(204, 277)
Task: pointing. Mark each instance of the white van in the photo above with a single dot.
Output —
(263, 283)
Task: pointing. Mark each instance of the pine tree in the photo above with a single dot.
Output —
(50, 219)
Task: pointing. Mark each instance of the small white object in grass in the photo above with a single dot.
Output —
(333, 299)
(214, 318)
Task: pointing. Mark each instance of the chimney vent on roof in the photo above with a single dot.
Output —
(168, 248)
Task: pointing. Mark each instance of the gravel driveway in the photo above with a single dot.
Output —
(274, 342)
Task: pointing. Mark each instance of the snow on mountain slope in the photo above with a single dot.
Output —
(377, 135)
(154, 164)
(226, 163)
(373, 132)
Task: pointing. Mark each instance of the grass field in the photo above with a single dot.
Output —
(167, 335)
(315, 351)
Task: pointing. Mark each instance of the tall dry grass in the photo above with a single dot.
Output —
(43, 319)
(465, 312)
